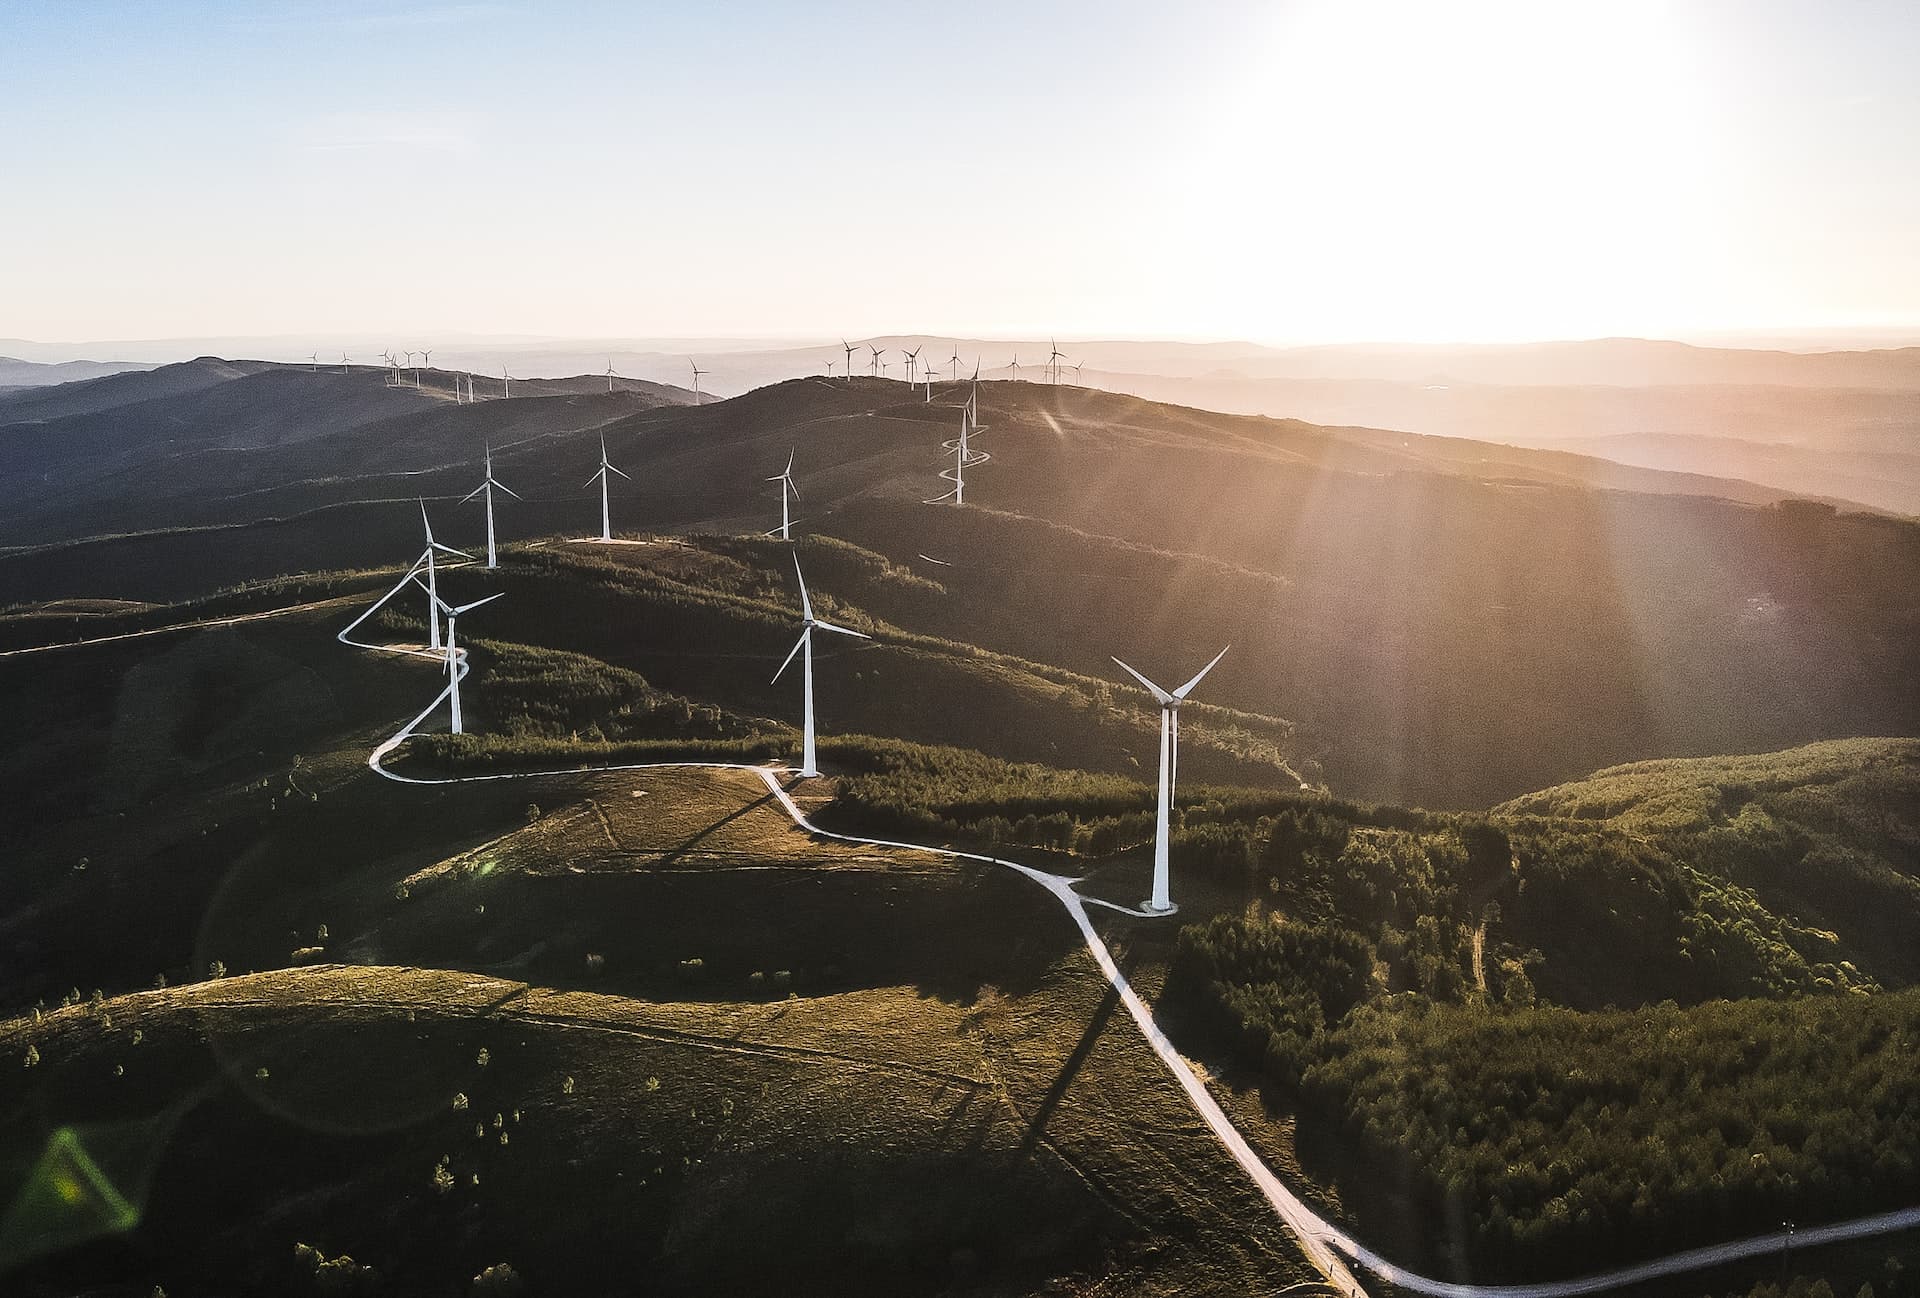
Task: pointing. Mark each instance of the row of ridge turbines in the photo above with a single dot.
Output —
(425, 569)
(402, 366)
(1051, 371)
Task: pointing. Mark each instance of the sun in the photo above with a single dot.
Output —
(1481, 170)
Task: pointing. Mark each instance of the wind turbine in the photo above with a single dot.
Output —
(343, 362)
(1075, 367)
(785, 479)
(609, 374)
(1054, 359)
(426, 358)
(486, 488)
(600, 474)
(878, 352)
(697, 372)
(913, 358)
(453, 652)
(804, 647)
(927, 374)
(850, 349)
(1013, 366)
(506, 380)
(313, 363)
(1161, 903)
(433, 582)
(956, 364)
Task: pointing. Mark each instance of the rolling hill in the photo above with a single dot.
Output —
(1453, 622)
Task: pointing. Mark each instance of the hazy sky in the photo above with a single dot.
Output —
(1280, 170)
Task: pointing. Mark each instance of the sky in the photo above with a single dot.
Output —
(1280, 171)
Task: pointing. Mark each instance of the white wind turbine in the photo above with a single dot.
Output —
(486, 488)
(913, 359)
(878, 352)
(453, 653)
(313, 363)
(601, 475)
(697, 372)
(506, 380)
(427, 561)
(849, 349)
(785, 479)
(804, 647)
(1054, 359)
(426, 359)
(343, 362)
(954, 360)
(609, 374)
(1161, 902)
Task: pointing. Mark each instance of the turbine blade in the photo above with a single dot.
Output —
(1158, 693)
(471, 494)
(447, 549)
(790, 654)
(1181, 693)
(806, 605)
(596, 476)
(621, 474)
(828, 626)
(509, 490)
(434, 596)
(464, 608)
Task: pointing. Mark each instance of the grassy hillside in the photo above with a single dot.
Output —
(430, 1125)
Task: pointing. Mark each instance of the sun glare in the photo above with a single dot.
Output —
(1482, 170)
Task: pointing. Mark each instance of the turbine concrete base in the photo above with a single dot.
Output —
(1170, 908)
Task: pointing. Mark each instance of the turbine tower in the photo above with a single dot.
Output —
(804, 647)
(601, 475)
(486, 488)
(1161, 903)
(453, 653)
(697, 372)
(785, 479)
(433, 582)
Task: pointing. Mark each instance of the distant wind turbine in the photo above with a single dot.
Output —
(850, 349)
(913, 358)
(1013, 366)
(506, 381)
(785, 479)
(313, 363)
(609, 374)
(486, 488)
(602, 476)
(426, 359)
(343, 362)
(697, 372)
(878, 352)
(956, 364)
(804, 647)
(1161, 902)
